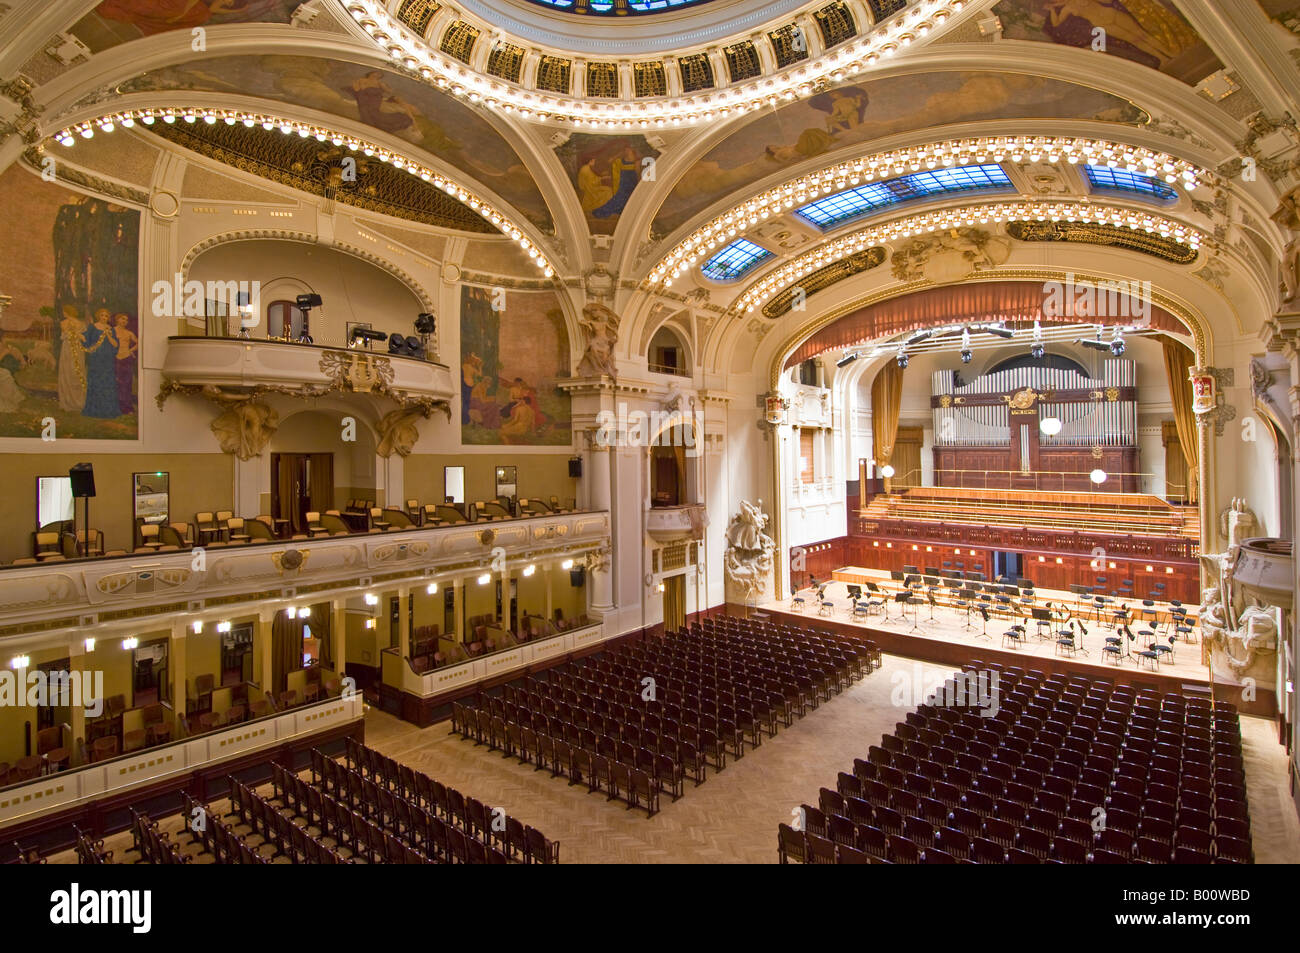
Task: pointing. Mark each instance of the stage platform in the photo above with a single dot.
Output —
(940, 634)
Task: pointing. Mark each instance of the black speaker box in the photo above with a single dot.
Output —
(575, 577)
(575, 466)
(82, 476)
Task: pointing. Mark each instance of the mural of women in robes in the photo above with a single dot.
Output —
(100, 345)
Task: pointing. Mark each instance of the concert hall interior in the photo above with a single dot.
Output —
(875, 437)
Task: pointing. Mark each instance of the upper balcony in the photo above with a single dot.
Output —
(304, 370)
(667, 524)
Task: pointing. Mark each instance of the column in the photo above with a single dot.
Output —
(177, 660)
(77, 664)
(550, 595)
(404, 620)
(507, 601)
(262, 664)
(602, 584)
(339, 634)
(458, 609)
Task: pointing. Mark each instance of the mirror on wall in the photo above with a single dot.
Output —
(454, 481)
(54, 503)
(152, 496)
(507, 489)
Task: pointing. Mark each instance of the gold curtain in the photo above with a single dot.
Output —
(286, 650)
(907, 456)
(674, 603)
(886, 399)
(322, 627)
(1178, 361)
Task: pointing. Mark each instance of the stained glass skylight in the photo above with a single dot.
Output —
(602, 7)
(733, 261)
(1103, 178)
(833, 210)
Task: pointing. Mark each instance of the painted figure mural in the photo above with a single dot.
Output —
(1150, 32)
(117, 21)
(606, 170)
(514, 348)
(81, 370)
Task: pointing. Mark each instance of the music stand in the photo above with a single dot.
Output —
(1042, 617)
(984, 614)
(905, 597)
(929, 595)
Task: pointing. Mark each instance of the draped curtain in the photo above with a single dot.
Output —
(322, 627)
(1014, 302)
(1178, 361)
(286, 650)
(886, 400)
(674, 603)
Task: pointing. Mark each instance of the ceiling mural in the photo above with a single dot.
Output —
(1150, 32)
(855, 114)
(120, 21)
(605, 171)
(393, 104)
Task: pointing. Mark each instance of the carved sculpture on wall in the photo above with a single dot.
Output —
(1253, 641)
(947, 256)
(245, 428)
(748, 559)
(601, 326)
(1287, 215)
(398, 431)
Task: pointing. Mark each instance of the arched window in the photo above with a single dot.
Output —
(667, 353)
(1055, 361)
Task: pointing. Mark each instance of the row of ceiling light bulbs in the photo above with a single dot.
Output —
(128, 118)
(958, 152)
(851, 58)
(1037, 345)
(832, 251)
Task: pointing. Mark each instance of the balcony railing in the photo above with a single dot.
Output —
(307, 370)
(669, 523)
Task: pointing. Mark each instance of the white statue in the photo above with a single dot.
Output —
(1239, 650)
(748, 558)
(601, 325)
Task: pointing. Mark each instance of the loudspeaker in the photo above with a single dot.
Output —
(575, 466)
(575, 577)
(82, 477)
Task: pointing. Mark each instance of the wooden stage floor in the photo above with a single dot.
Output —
(946, 639)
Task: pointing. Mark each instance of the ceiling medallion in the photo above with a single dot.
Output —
(852, 58)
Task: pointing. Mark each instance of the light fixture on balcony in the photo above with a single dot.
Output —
(372, 599)
(223, 627)
(1050, 426)
(484, 579)
(131, 644)
(567, 564)
(291, 612)
(304, 612)
(197, 627)
(886, 471)
(20, 661)
(90, 645)
(530, 569)
(370, 623)
(1097, 476)
(432, 589)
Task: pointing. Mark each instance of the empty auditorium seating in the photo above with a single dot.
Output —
(1068, 770)
(634, 722)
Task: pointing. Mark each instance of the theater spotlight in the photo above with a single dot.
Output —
(426, 325)
(305, 303)
(1036, 350)
(847, 359)
(902, 357)
(1117, 345)
(365, 335)
(966, 353)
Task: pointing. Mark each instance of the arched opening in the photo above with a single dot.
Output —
(284, 319)
(672, 478)
(667, 353)
(319, 462)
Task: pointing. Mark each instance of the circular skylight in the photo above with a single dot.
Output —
(616, 7)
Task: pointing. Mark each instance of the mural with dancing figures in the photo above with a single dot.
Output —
(514, 347)
(69, 313)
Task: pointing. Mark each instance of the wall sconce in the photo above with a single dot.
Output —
(1169, 570)
(131, 644)
(567, 564)
(661, 587)
(90, 645)
(223, 627)
(291, 612)
(197, 627)
(372, 599)
(484, 579)
(530, 569)
(304, 612)
(20, 661)
(370, 623)
(432, 589)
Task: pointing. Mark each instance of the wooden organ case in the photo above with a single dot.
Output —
(987, 433)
